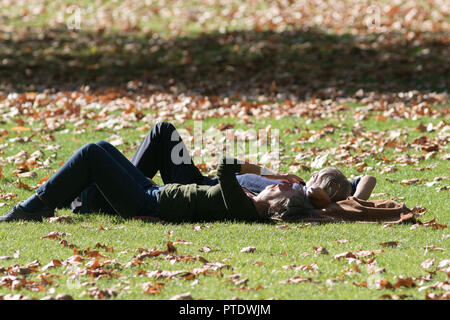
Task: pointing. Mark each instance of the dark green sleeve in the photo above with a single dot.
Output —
(238, 204)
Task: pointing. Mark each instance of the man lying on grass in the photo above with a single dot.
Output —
(130, 193)
(155, 154)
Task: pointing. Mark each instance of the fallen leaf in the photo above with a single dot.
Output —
(383, 284)
(205, 249)
(366, 253)
(432, 248)
(312, 267)
(427, 263)
(55, 235)
(404, 282)
(183, 296)
(180, 241)
(102, 246)
(436, 296)
(344, 255)
(152, 288)
(296, 279)
(67, 244)
(320, 250)
(60, 219)
(391, 244)
(409, 181)
(361, 284)
(52, 264)
(340, 241)
(319, 161)
(249, 249)
(395, 297)
(171, 248)
(97, 293)
(444, 263)
(58, 297)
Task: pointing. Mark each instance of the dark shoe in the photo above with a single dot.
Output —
(17, 213)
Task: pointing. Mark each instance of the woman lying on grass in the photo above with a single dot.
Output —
(131, 194)
(124, 189)
(155, 154)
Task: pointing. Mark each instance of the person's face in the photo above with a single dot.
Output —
(313, 181)
(276, 192)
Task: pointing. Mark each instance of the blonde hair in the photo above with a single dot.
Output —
(334, 183)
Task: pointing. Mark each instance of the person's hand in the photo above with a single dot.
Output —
(153, 182)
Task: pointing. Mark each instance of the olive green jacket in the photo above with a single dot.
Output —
(225, 201)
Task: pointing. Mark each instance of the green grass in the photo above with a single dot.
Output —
(231, 56)
(275, 247)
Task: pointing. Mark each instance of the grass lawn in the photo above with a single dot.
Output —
(277, 246)
(370, 101)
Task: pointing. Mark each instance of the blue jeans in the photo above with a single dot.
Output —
(121, 184)
(153, 155)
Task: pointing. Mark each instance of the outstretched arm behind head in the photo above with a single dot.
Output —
(318, 198)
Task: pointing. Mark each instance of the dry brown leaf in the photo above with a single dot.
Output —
(340, 241)
(405, 282)
(97, 293)
(383, 284)
(344, 255)
(437, 296)
(104, 247)
(296, 279)
(55, 235)
(249, 249)
(183, 296)
(153, 288)
(361, 284)
(180, 241)
(320, 250)
(391, 244)
(52, 264)
(171, 248)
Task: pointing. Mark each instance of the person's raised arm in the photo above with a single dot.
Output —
(238, 204)
(365, 187)
(267, 173)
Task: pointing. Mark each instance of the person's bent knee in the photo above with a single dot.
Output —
(90, 148)
(162, 129)
(103, 143)
(163, 125)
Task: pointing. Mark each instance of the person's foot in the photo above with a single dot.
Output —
(17, 213)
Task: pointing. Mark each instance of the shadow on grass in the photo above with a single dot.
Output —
(298, 62)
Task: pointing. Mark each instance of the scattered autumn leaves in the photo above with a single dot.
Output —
(102, 262)
(176, 90)
(97, 264)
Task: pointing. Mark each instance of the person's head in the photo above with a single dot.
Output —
(332, 181)
(283, 201)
